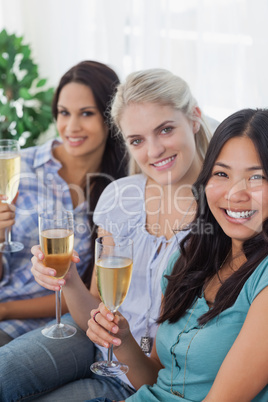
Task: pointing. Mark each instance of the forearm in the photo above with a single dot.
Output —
(38, 307)
(79, 299)
(1, 267)
(142, 369)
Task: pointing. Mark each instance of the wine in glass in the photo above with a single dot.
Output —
(9, 183)
(113, 260)
(56, 232)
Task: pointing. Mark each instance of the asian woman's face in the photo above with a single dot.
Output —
(162, 141)
(237, 192)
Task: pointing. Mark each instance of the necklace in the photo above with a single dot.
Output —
(146, 341)
(177, 393)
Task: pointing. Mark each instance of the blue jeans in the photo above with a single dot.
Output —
(35, 367)
(100, 400)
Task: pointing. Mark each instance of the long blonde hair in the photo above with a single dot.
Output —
(162, 87)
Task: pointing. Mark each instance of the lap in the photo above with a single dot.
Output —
(37, 364)
(4, 338)
(90, 388)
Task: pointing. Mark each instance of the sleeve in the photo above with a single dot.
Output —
(120, 206)
(168, 270)
(258, 280)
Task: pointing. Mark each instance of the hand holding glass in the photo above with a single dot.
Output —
(113, 260)
(9, 183)
(56, 232)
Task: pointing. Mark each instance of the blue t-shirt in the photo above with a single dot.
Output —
(208, 345)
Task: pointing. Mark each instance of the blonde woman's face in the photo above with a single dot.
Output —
(162, 141)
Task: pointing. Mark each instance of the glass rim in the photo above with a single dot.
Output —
(55, 215)
(124, 238)
(5, 143)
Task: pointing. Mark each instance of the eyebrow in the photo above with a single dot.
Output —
(155, 129)
(251, 168)
(82, 108)
(163, 124)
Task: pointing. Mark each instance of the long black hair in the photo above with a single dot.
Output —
(206, 246)
(103, 81)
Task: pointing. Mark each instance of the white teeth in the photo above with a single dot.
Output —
(163, 163)
(77, 139)
(242, 214)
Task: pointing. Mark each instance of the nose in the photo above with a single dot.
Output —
(73, 124)
(155, 148)
(238, 192)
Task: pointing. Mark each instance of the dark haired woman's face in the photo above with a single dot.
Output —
(237, 192)
(79, 122)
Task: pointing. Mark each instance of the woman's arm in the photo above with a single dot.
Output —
(142, 369)
(79, 299)
(244, 371)
(7, 219)
(38, 307)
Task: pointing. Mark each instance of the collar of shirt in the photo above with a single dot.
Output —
(44, 154)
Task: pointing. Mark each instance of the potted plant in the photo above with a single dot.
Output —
(25, 104)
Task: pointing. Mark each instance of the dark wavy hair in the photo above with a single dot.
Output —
(202, 254)
(102, 81)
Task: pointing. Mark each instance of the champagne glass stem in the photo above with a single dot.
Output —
(110, 354)
(8, 235)
(58, 307)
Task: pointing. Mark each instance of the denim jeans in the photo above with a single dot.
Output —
(4, 338)
(100, 400)
(35, 367)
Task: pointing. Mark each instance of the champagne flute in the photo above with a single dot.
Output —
(114, 260)
(9, 183)
(56, 232)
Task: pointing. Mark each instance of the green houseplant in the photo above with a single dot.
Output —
(25, 104)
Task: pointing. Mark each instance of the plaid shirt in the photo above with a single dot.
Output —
(41, 188)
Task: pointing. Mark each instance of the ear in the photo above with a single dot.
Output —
(196, 119)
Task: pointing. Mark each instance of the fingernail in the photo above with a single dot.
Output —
(114, 329)
(40, 256)
(52, 273)
(116, 342)
(110, 317)
(61, 282)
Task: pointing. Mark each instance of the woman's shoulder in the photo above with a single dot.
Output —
(128, 183)
(171, 262)
(35, 156)
(258, 280)
(124, 190)
(122, 199)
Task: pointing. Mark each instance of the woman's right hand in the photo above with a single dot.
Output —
(45, 276)
(7, 216)
(103, 324)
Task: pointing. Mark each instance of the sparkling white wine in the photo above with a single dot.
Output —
(9, 175)
(57, 245)
(113, 280)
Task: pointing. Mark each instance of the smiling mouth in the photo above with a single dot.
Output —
(75, 139)
(240, 214)
(164, 161)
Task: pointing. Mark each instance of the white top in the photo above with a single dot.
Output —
(121, 211)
